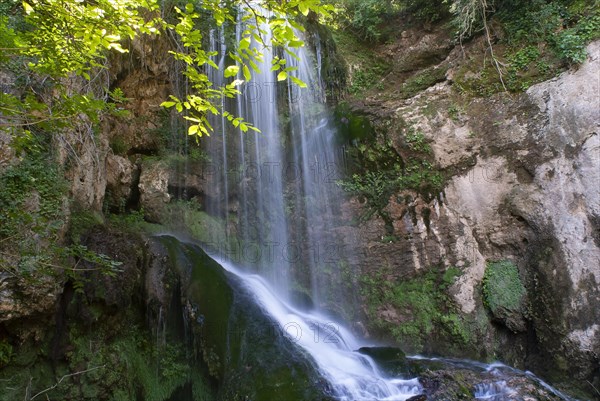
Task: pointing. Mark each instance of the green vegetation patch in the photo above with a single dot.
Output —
(502, 287)
(536, 40)
(32, 214)
(125, 366)
(366, 69)
(382, 171)
(423, 80)
(369, 20)
(426, 312)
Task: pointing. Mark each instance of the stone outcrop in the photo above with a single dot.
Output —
(522, 185)
(153, 187)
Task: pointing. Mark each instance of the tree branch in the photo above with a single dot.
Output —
(63, 378)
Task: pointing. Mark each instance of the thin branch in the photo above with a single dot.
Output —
(28, 389)
(489, 41)
(257, 23)
(594, 387)
(63, 378)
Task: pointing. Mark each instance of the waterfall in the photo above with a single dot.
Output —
(276, 193)
(279, 188)
(352, 376)
(278, 185)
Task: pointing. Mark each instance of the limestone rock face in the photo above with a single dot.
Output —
(20, 301)
(523, 185)
(154, 189)
(88, 170)
(119, 178)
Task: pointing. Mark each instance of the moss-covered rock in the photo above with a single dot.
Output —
(504, 294)
(248, 355)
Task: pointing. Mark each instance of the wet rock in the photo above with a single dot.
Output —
(521, 177)
(391, 360)
(154, 189)
(461, 384)
(246, 353)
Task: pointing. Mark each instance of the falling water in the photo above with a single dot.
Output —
(279, 187)
(353, 376)
(276, 192)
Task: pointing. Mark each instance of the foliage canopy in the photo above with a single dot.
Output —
(52, 41)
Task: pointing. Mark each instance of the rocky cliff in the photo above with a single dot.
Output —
(489, 248)
(511, 242)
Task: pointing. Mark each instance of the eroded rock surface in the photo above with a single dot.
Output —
(522, 185)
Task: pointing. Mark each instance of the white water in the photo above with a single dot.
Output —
(493, 391)
(294, 168)
(273, 211)
(353, 376)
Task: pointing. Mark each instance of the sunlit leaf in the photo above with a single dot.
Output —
(298, 81)
(231, 71)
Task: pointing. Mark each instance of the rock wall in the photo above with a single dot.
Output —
(522, 185)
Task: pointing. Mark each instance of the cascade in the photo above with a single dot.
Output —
(276, 192)
(279, 185)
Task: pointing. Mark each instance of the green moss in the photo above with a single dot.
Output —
(502, 287)
(352, 126)
(6, 353)
(422, 80)
(428, 313)
(199, 224)
(367, 67)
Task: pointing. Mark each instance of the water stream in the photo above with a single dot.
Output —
(278, 186)
(352, 375)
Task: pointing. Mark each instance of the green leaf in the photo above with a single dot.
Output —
(244, 43)
(117, 47)
(247, 74)
(282, 76)
(192, 130)
(231, 71)
(167, 104)
(298, 82)
(28, 9)
(303, 9)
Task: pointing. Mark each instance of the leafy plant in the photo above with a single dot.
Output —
(95, 28)
(31, 199)
(385, 172)
(416, 141)
(364, 17)
(502, 286)
(424, 301)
